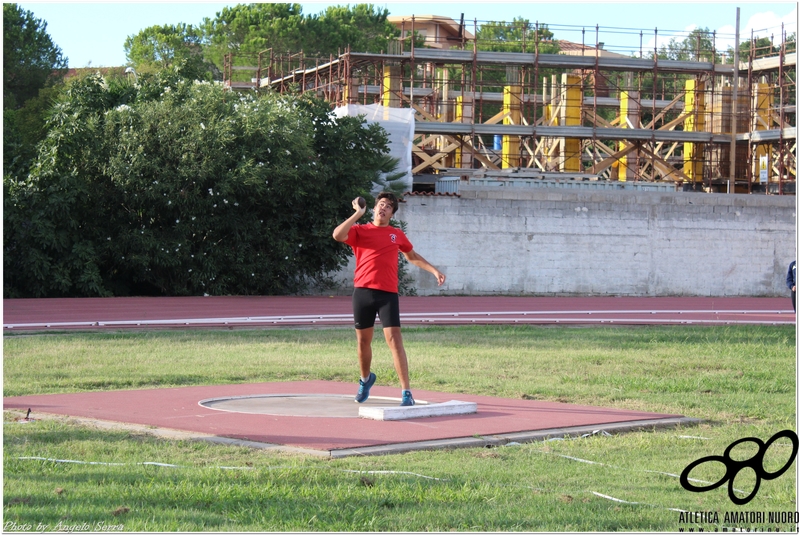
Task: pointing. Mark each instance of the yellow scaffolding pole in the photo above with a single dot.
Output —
(392, 86)
(464, 113)
(764, 119)
(570, 110)
(693, 158)
(629, 117)
(512, 108)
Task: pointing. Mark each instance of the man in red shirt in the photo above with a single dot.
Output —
(376, 246)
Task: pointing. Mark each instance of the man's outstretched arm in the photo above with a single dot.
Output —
(417, 260)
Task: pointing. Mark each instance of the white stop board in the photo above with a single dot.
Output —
(448, 408)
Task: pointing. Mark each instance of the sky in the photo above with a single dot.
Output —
(92, 34)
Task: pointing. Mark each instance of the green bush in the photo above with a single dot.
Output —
(179, 187)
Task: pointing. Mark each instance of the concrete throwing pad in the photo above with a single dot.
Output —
(177, 412)
(336, 406)
(320, 405)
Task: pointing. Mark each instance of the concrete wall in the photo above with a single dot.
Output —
(495, 240)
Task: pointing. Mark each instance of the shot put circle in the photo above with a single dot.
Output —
(313, 405)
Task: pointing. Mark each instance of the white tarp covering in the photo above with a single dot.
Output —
(397, 122)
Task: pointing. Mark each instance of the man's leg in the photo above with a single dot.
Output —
(368, 378)
(364, 337)
(394, 340)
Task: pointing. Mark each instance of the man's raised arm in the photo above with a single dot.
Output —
(342, 231)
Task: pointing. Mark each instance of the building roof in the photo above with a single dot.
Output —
(446, 23)
(576, 49)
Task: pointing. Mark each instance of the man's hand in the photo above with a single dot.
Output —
(360, 210)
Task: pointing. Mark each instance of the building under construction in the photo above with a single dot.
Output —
(578, 113)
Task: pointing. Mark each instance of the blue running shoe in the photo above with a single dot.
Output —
(363, 390)
(407, 399)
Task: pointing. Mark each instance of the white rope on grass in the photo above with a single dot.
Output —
(70, 461)
(145, 463)
(371, 472)
(376, 472)
(392, 472)
(611, 498)
(577, 459)
(167, 465)
(619, 500)
(702, 516)
(395, 472)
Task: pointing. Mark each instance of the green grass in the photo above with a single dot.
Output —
(739, 379)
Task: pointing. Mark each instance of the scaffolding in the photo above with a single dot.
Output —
(589, 114)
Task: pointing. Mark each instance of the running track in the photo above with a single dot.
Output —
(259, 311)
(497, 421)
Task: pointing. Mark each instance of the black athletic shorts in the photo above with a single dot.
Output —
(368, 303)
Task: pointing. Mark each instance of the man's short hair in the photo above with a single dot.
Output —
(391, 199)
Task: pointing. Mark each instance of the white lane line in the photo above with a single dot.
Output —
(528, 316)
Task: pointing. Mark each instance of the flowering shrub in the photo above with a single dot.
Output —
(171, 187)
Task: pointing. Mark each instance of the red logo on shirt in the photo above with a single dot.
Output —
(393, 238)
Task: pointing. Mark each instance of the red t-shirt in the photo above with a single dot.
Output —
(376, 249)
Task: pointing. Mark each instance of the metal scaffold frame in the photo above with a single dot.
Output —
(591, 116)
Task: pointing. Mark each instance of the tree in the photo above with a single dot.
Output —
(361, 27)
(516, 36)
(178, 187)
(697, 46)
(790, 43)
(170, 46)
(247, 29)
(763, 46)
(24, 129)
(520, 35)
(31, 60)
(32, 67)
